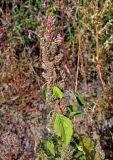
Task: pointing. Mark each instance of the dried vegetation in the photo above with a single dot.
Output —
(47, 43)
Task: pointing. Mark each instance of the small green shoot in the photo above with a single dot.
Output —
(80, 100)
(57, 92)
(50, 147)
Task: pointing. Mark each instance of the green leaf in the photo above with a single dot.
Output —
(80, 100)
(44, 91)
(79, 114)
(87, 143)
(50, 147)
(38, 2)
(63, 127)
(57, 92)
(59, 149)
(80, 148)
(73, 109)
(75, 112)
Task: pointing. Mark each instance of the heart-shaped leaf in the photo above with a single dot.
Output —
(63, 127)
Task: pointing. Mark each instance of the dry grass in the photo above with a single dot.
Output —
(56, 43)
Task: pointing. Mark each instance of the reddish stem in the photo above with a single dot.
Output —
(3, 43)
(66, 58)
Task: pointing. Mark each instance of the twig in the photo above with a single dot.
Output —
(97, 58)
(66, 58)
(78, 61)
